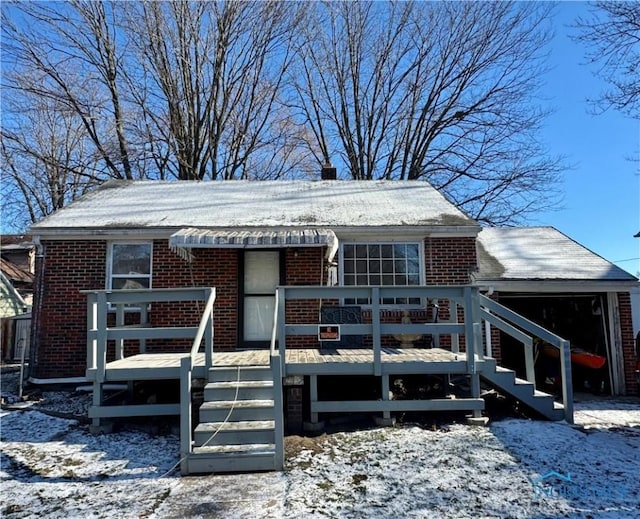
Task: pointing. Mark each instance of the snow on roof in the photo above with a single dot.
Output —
(232, 204)
(540, 253)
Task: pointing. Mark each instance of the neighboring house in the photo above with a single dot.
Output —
(16, 293)
(426, 260)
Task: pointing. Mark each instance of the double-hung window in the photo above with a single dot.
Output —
(129, 266)
(386, 264)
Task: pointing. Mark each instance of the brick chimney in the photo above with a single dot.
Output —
(328, 172)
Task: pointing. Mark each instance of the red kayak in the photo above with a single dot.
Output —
(578, 356)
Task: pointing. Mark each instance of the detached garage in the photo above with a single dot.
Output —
(557, 283)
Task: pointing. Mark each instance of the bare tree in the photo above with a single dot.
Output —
(612, 36)
(443, 92)
(214, 74)
(46, 167)
(72, 52)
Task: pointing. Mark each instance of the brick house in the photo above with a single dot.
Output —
(406, 279)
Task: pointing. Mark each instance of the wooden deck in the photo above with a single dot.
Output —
(160, 366)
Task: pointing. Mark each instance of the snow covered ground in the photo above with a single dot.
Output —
(52, 467)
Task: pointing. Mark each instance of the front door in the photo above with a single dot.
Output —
(261, 276)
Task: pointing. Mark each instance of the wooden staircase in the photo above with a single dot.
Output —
(236, 430)
(505, 381)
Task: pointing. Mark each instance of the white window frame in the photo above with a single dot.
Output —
(421, 270)
(110, 275)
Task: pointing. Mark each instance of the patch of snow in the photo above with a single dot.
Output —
(53, 467)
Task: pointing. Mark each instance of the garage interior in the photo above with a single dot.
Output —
(581, 319)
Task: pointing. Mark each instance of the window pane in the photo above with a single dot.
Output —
(374, 266)
(349, 251)
(387, 266)
(413, 267)
(362, 280)
(387, 280)
(349, 279)
(374, 251)
(131, 258)
(375, 279)
(400, 250)
(401, 279)
(361, 251)
(401, 266)
(349, 267)
(412, 252)
(361, 266)
(129, 283)
(386, 251)
(414, 279)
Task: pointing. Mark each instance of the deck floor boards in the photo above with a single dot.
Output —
(140, 366)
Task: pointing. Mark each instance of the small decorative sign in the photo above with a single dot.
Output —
(329, 332)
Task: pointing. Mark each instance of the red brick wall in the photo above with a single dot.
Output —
(628, 350)
(61, 320)
(304, 266)
(210, 268)
(449, 261)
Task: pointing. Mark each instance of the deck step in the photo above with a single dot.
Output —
(249, 448)
(230, 373)
(243, 390)
(506, 381)
(218, 411)
(218, 463)
(234, 433)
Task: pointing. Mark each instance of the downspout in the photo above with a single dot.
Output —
(36, 309)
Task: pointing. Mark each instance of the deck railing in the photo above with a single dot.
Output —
(102, 302)
(519, 328)
(463, 297)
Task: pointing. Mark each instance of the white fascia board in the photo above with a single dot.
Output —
(555, 286)
(388, 233)
(404, 232)
(104, 234)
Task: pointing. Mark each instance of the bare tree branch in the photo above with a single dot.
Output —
(611, 35)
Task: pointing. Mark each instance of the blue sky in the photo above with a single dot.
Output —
(601, 207)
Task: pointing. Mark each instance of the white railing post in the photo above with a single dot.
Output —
(375, 323)
(487, 339)
(101, 337)
(92, 322)
(469, 330)
(119, 323)
(567, 387)
(185, 413)
(529, 364)
(144, 321)
(455, 337)
(209, 331)
(276, 369)
(281, 332)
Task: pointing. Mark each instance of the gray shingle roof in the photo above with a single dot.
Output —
(233, 204)
(540, 253)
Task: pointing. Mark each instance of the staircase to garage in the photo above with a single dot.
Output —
(506, 381)
(236, 430)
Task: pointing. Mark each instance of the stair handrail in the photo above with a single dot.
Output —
(508, 320)
(205, 330)
(205, 327)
